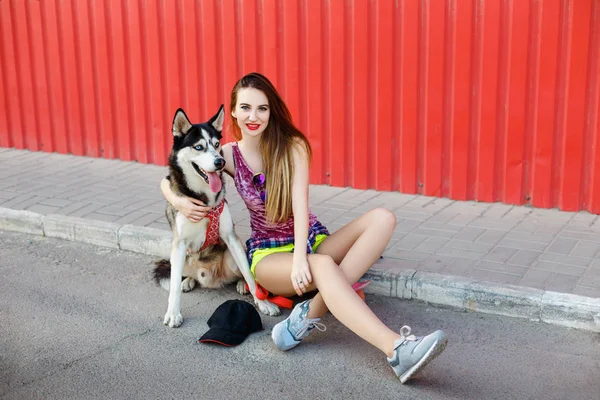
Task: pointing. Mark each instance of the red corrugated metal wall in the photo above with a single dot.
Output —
(469, 99)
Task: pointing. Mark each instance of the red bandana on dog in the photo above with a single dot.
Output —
(212, 232)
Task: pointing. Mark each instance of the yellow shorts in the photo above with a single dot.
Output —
(288, 248)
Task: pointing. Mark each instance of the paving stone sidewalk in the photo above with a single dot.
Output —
(545, 249)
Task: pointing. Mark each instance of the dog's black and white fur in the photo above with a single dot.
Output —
(195, 170)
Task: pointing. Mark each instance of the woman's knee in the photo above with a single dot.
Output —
(323, 267)
(383, 218)
(322, 261)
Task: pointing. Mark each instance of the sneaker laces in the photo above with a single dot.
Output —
(310, 323)
(321, 327)
(405, 335)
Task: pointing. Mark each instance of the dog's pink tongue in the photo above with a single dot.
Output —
(214, 181)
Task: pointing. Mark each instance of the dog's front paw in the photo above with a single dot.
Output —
(172, 319)
(267, 308)
(188, 284)
(241, 287)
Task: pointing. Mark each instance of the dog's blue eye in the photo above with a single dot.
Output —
(217, 144)
(199, 147)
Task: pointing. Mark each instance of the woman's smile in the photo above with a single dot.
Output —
(252, 111)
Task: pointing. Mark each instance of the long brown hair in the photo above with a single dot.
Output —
(276, 146)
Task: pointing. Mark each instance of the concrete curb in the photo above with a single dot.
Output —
(140, 239)
(81, 230)
(458, 292)
(21, 221)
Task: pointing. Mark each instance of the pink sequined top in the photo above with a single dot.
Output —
(261, 228)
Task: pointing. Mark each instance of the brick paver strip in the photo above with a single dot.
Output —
(501, 254)
(545, 249)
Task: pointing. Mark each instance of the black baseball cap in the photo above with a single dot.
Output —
(231, 323)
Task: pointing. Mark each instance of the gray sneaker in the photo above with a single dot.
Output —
(291, 331)
(411, 353)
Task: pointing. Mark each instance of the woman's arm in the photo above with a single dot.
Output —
(300, 268)
(192, 209)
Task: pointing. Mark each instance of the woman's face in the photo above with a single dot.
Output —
(251, 111)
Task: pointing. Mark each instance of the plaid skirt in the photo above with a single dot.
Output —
(254, 244)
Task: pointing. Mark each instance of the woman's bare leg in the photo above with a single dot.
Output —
(356, 247)
(273, 273)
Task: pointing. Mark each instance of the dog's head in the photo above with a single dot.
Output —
(197, 147)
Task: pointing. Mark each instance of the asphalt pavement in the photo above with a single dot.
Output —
(79, 321)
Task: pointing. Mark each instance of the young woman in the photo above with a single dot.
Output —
(289, 251)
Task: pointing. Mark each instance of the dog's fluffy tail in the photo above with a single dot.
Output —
(162, 273)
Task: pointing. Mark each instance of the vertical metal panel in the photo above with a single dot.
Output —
(492, 100)
(312, 51)
(8, 117)
(458, 83)
(543, 129)
(488, 66)
(517, 46)
(591, 182)
(407, 98)
(383, 145)
(575, 106)
(335, 101)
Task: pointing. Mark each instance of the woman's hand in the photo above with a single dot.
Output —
(191, 208)
(301, 277)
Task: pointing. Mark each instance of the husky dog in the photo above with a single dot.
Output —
(209, 251)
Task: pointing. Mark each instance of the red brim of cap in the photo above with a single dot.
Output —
(223, 337)
(216, 342)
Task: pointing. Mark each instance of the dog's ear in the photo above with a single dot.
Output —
(181, 123)
(217, 119)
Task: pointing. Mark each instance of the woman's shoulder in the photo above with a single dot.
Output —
(228, 156)
(299, 147)
(228, 148)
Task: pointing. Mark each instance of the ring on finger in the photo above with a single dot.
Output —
(300, 281)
